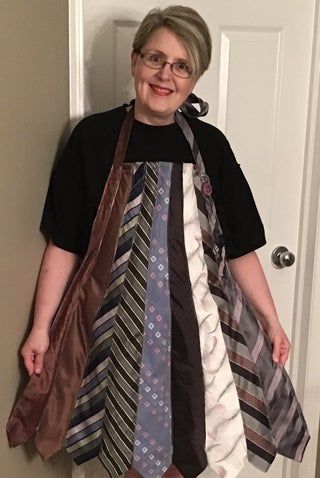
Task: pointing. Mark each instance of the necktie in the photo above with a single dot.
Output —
(261, 448)
(153, 440)
(125, 355)
(188, 417)
(84, 434)
(225, 442)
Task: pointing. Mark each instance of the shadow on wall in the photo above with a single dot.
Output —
(107, 74)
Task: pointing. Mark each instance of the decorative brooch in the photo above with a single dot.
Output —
(206, 187)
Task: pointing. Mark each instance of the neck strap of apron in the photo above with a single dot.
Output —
(187, 131)
(123, 140)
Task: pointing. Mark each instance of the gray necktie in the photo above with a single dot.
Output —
(153, 439)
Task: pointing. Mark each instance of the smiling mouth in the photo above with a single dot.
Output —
(161, 91)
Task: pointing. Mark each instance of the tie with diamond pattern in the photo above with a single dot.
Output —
(153, 439)
(122, 386)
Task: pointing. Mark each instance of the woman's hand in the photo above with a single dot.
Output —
(34, 349)
(279, 341)
(249, 274)
(57, 270)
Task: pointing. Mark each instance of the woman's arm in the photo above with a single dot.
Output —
(248, 273)
(57, 269)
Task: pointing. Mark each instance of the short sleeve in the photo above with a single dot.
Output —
(64, 209)
(241, 223)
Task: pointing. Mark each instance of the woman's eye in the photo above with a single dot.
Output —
(182, 66)
(156, 58)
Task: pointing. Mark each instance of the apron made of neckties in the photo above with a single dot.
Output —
(122, 414)
(179, 370)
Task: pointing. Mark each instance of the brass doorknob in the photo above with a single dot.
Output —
(281, 257)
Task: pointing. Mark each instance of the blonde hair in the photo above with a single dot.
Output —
(187, 25)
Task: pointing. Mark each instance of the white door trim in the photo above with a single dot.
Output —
(306, 331)
(76, 72)
(306, 328)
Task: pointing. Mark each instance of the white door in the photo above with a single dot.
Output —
(257, 88)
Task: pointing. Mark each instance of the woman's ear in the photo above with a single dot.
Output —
(134, 57)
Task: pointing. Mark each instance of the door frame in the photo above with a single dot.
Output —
(76, 71)
(306, 331)
(306, 326)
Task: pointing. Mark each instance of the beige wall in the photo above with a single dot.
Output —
(33, 113)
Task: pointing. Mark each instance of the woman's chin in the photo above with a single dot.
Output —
(157, 109)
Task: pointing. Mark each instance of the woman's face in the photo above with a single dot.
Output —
(159, 93)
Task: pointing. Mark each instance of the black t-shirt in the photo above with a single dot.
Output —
(78, 179)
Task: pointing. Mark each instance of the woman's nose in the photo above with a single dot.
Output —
(165, 72)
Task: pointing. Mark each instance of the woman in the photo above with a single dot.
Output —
(171, 50)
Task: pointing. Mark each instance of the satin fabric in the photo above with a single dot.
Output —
(225, 439)
(48, 399)
(188, 416)
(83, 439)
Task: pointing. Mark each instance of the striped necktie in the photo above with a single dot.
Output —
(84, 434)
(272, 416)
(122, 387)
(261, 447)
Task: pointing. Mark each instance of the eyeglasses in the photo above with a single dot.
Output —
(157, 62)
